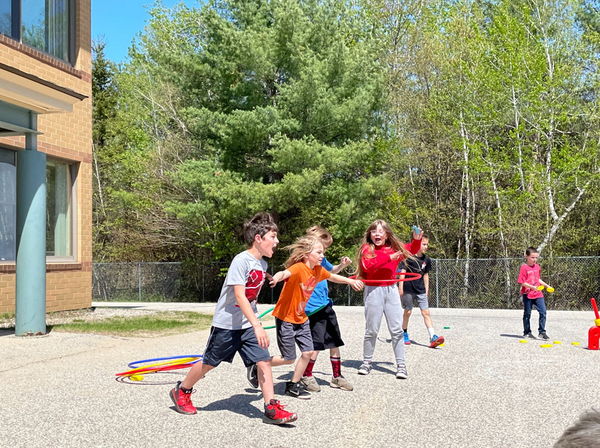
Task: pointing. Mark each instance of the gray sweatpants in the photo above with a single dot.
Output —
(383, 301)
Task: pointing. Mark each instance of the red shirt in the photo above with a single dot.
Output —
(381, 266)
(530, 275)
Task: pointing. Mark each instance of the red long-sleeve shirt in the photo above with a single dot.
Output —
(381, 266)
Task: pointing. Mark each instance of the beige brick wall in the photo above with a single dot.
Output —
(67, 136)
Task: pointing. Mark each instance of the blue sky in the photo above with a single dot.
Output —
(120, 20)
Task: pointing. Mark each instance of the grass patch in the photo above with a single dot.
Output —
(152, 325)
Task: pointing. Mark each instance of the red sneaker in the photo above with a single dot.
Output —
(436, 340)
(182, 400)
(277, 415)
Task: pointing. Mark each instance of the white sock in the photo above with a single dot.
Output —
(431, 332)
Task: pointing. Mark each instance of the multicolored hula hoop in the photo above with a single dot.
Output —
(171, 363)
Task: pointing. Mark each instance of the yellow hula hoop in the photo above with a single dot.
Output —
(173, 362)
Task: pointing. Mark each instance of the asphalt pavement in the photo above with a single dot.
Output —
(483, 388)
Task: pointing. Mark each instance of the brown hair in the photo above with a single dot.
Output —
(391, 240)
(530, 250)
(322, 234)
(261, 224)
(301, 247)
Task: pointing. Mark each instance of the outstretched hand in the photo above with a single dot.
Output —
(357, 285)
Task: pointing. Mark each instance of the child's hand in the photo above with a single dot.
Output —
(261, 337)
(417, 233)
(272, 279)
(345, 261)
(357, 285)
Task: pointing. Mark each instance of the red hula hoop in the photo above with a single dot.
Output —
(155, 369)
(408, 276)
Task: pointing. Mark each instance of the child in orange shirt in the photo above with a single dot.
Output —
(303, 273)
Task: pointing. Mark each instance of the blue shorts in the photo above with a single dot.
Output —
(288, 335)
(223, 344)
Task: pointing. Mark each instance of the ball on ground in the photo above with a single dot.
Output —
(136, 377)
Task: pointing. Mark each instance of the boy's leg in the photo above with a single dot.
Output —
(540, 304)
(195, 374)
(527, 303)
(265, 380)
(406, 301)
(274, 411)
(303, 338)
(301, 364)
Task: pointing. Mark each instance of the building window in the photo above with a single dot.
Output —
(43, 24)
(59, 210)
(8, 205)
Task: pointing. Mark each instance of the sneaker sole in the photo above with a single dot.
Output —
(401, 377)
(311, 388)
(335, 386)
(177, 408)
(280, 421)
(438, 341)
(299, 396)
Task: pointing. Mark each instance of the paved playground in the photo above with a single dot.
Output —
(483, 388)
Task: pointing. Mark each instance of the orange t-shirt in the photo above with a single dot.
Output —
(296, 292)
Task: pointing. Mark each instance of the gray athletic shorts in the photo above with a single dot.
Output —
(408, 299)
(288, 335)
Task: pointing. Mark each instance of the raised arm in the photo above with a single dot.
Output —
(345, 261)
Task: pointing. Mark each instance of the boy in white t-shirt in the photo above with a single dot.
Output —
(235, 325)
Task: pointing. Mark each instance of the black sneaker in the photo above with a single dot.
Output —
(529, 336)
(544, 336)
(296, 390)
(252, 375)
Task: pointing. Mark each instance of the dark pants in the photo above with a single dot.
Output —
(540, 306)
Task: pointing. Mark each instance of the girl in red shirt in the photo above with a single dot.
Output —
(378, 258)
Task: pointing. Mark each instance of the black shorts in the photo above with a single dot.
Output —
(325, 329)
(223, 344)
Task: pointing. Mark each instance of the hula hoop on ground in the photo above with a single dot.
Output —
(171, 363)
(408, 277)
(264, 314)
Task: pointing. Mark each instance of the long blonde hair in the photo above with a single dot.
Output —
(391, 240)
(300, 248)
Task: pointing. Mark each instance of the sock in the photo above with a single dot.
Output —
(309, 367)
(336, 365)
(431, 332)
(187, 391)
(405, 330)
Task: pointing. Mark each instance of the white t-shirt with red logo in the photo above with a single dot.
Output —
(530, 275)
(244, 270)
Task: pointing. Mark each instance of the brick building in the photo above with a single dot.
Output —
(45, 159)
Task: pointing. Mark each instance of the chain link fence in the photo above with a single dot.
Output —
(476, 283)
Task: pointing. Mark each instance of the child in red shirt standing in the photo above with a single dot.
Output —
(530, 281)
(378, 260)
(303, 272)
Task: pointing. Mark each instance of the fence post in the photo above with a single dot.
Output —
(140, 282)
(437, 283)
